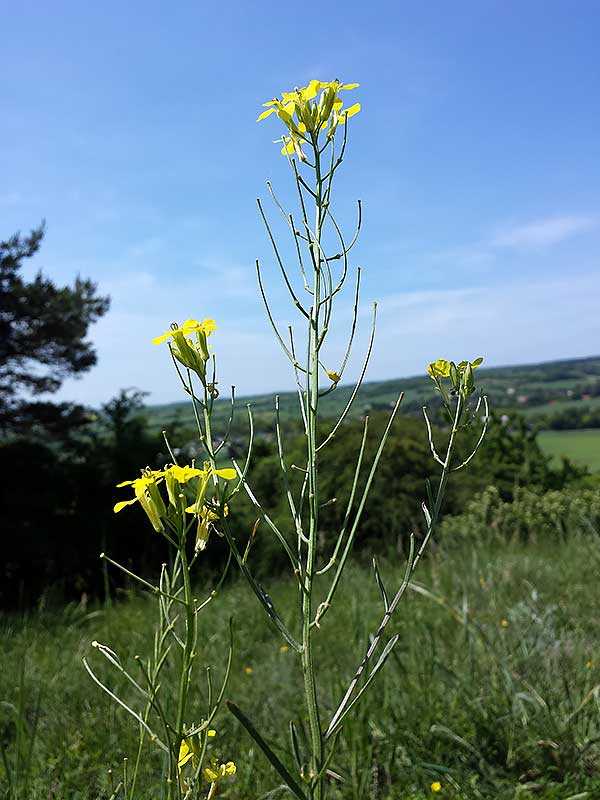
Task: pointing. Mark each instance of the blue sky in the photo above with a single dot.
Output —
(131, 129)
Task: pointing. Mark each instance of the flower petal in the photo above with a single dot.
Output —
(346, 113)
(227, 474)
(120, 506)
(265, 114)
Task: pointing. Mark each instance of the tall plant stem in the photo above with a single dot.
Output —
(312, 400)
(187, 657)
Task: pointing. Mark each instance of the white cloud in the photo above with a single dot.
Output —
(511, 324)
(545, 232)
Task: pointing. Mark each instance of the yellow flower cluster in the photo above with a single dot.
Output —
(188, 749)
(460, 375)
(189, 350)
(147, 493)
(308, 111)
(215, 772)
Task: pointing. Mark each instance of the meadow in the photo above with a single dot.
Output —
(492, 692)
(582, 447)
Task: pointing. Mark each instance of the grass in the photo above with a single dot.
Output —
(492, 690)
(581, 446)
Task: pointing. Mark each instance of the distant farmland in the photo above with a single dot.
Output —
(555, 394)
(582, 447)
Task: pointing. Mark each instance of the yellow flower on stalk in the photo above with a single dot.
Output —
(443, 368)
(227, 473)
(333, 376)
(205, 519)
(185, 754)
(211, 733)
(436, 786)
(248, 670)
(182, 474)
(207, 326)
(189, 350)
(439, 368)
(309, 110)
(147, 494)
(176, 476)
(504, 623)
(215, 772)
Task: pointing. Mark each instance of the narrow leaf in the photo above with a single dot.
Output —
(275, 762)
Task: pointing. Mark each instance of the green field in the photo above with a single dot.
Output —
(582, 447)
(492, 690)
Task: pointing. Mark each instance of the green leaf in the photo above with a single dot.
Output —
(275, 762)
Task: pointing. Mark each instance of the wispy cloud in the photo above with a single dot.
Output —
(545, 232)
(514, 323)
(521, 322)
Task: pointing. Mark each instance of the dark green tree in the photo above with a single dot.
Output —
(43, 329)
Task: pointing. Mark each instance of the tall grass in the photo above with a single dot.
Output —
(492, 691)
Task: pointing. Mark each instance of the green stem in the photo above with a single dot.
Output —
(186, 660)
(312, 399)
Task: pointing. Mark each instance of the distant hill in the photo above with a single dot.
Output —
(544, 388)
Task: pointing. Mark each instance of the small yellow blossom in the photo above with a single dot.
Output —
(589, 664)
(211, 733)
(248, 670)
(147, 494)
(436, 786)
(439, 368)
(284, 648)
(190, 351)
(334, 376)
(216, 772)
(504, 623)
(185, 754)
(207, 326)
(183, 474)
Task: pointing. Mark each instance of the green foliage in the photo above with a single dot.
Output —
(531, 516)
(509, 459)
(499, 712)
(57, 505)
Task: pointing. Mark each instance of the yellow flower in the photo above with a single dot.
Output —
(205, 518)
(439, 368)
(333, 376)
(504, 623)
(185, 754)
(436, 786)
(248, 670)
(193, 354)
(175, 476)
(207, 326)
(211, 733)
(216, 772)
(443, 368)
(589, 664)
(284, 648)
(182, 474)
(307, 111)
(147, 495)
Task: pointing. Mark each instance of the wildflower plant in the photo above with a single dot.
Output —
(315, 123)
(184, 504)
(180, 500)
